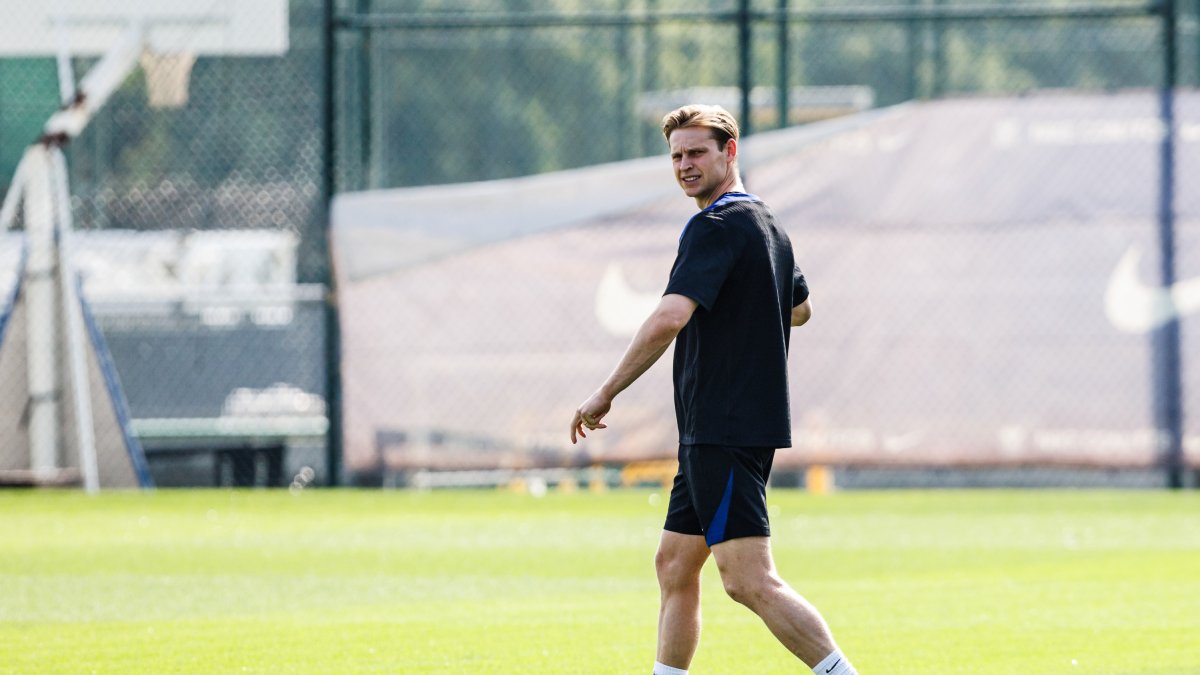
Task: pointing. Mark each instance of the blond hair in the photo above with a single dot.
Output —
(712, 117)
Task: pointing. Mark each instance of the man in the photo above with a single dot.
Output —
(733, 295)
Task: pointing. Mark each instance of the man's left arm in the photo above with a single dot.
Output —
(648, 345)
(802, 312)
(801, 305)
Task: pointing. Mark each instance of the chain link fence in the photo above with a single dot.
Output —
(539, 73)
(978, 193)
(197, 197)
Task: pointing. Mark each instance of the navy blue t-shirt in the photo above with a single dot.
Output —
(731, 384)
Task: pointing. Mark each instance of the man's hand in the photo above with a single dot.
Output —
(589, 415)
(652, 339)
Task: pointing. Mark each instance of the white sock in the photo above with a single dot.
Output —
(663, 669)
(835, 664)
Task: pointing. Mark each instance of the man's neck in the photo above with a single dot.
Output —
(733, 186)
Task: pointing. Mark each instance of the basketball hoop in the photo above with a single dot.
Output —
(167, 77)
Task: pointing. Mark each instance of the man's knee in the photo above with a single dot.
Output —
(671, 570)
(750, 587)
(676, 571)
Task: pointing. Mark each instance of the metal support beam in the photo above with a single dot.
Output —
(333, 336)
(1168, 358)
(782, 99)
(745, 76)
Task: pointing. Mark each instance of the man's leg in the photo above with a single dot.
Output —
(678, 562)
(748, 573)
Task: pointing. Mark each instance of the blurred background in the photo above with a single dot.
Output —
(402, 251)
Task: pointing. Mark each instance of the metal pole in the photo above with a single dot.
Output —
(744, 76)
(939, 55)
(362, 72)
(782, 98)
(72, 320)
(333, 349)
(1168, 362)
(625, 102)
(41, 318)
(912, 43)
(650, 73)
(1196, 25)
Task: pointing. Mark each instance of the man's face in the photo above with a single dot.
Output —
(700, 167)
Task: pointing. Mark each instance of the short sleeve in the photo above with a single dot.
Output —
(707, 252)
(799, 287)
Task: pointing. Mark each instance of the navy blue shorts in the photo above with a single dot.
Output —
(720, 492)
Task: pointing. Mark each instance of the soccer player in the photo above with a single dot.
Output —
(733, 295)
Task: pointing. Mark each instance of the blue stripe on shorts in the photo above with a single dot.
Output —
(716, 529)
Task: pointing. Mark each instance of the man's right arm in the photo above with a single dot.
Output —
(802, 312)
(648, 345)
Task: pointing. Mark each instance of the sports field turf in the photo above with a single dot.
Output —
(495, 582)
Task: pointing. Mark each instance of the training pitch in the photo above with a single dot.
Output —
(498, 582)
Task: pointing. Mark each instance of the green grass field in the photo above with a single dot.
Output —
(495, 582)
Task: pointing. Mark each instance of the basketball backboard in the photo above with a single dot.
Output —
(91, 27)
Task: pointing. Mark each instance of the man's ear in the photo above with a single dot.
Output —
(731, 148)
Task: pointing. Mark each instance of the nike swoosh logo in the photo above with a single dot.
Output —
(1135, 307)
(620, 309)
(835, 665)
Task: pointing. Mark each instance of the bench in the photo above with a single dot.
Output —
(246, 451)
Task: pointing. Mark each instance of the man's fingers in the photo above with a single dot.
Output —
(577, 429)
(581, 421)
